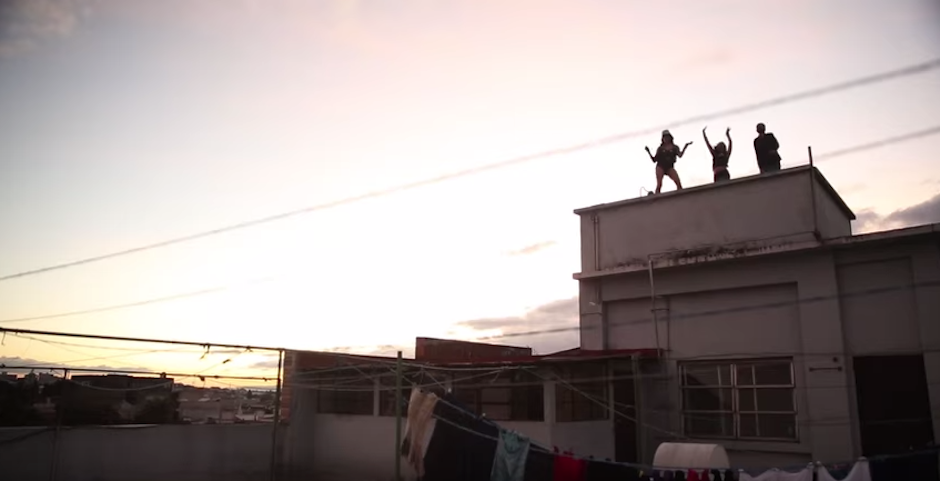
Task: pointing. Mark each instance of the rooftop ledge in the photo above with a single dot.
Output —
(745, 250)
(705, 187)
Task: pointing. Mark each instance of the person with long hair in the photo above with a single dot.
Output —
(665, 159)
(720, 156)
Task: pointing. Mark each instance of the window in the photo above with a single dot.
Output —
(345, 393)
(583, 395)
(742, 400)
(509, 396)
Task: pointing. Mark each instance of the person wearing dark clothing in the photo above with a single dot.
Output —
(665, 159)
(720, 156)
(766, 146)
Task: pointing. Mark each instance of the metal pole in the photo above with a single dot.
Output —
(812, 192)
(398, 398)
(272, 474)
(638, 409)
(53, 469)
(653, 304)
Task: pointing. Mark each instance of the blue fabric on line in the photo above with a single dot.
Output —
(511, 453)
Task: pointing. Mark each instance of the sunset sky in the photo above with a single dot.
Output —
(128, 122)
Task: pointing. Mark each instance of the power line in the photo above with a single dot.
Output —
(690, 315)
(916, 69)
(185, 295)
(146, 302)
(131, 371)
(880, 143)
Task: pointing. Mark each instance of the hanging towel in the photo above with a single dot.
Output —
(806, 474)
(418, 428)
(859, 472)
(729, 476)
(680, 476)
(569, 469)
(512, 451)
(694, 476)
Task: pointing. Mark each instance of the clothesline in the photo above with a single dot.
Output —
(652, 468)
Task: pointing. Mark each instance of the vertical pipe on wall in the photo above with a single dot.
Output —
(653, 303)
(272, 470)
(597, 253)
(398, 399)
(638, 409)
(812, 193)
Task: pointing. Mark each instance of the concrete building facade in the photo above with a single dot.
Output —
(781, 332)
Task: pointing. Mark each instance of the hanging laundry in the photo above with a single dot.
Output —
(859, 472)
(806, 474)
(568, 468)
(511, 453)
(609, 471)
(539, 465)
(419, 428)
(694, 476)
(729, 476)
(679, 476)
(462, 447)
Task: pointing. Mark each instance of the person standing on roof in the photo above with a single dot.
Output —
(665, 159)
(766, 146)
(720, 155)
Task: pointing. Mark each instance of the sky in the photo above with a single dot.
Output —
(127, 122)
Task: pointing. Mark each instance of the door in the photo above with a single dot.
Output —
(625, 430)
(894, 412)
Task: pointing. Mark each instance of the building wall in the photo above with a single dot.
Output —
(821, 307)
(128, 453)
(627, 234)
(334, 446)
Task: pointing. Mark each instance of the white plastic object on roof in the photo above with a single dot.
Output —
(691, 455)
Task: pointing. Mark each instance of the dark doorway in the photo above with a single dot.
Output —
(894, 410)
(625, 432)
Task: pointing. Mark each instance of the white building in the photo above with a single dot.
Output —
(785, 338)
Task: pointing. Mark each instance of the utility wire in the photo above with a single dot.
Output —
(671, 318)
(146, 302)
(916, 69)
(184, 295)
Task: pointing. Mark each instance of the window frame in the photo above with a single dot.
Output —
(737, 389)
(568, 401)
(520, 386)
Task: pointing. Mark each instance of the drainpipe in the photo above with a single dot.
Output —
(812, 191)
(638, 409)
(653, 302)
(597, 243)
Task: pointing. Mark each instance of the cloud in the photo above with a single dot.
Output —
(560, 317)
(927, 212)
(26, 24)
(532, 248)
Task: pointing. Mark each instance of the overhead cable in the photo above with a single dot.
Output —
(916, 69)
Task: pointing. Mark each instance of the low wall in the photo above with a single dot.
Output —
(144, 453)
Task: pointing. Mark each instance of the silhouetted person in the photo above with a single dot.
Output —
(766, 146)
(720, 156)
(665, 159)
